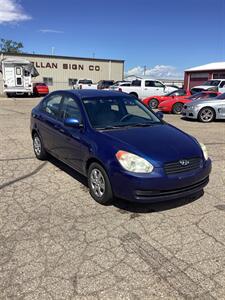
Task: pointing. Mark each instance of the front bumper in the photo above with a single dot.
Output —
(190, 113)
(158, 186)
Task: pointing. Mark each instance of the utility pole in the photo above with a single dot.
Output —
(145, 68)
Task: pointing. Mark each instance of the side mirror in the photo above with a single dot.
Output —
(72, 122)
(159, 114)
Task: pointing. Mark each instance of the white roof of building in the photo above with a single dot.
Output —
(209, 67)
(16, 60)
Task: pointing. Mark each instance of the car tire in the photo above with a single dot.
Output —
(153, 103)
(206, 115)
(99, 184)
(134, 95)
(38, 147)
(177, 108)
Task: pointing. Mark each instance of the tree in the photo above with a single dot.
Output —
(10, 46)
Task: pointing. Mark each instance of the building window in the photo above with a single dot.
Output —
(219, 75)
(72, 81)
(48, 80)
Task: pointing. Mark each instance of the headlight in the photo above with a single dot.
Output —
(204, 150)
(133, 163)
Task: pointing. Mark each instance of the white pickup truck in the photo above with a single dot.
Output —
(143, 88)
(84, 84)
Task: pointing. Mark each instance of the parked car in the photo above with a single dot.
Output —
(154, 101)
(175, 105)
(84, 84)
(123, 148)
(142, 88)
(104, 84)
(206, 110)
(119, 84)
(40, 89)
(210, 85)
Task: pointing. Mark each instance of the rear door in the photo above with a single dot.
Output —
(48, 122)
(19, 76)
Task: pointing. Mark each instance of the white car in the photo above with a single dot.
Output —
(214, 84)
(84, 84)
(118, 85)
(143, 88)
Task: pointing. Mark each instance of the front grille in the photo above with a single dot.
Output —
(177, 167)
(175, 192)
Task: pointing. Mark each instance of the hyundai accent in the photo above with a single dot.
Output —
(122, 147)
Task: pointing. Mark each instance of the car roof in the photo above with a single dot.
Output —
(92, 93)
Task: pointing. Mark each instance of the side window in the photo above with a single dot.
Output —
(48, 80)
(70, 109)
(51, 105)
(136, 83)
(149, 83)
(222, 84)
(158, 84)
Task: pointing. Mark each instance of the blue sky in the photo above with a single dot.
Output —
(166, 36)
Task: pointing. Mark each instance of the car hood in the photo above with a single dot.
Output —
(158, 143)
(207, 101)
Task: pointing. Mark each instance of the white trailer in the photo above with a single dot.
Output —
(17, 75)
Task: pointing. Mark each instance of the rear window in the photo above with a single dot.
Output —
(85, 81)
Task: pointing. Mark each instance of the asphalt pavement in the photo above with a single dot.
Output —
(57, 243)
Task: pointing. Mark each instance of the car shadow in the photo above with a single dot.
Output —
(126, 206)
(68, 170)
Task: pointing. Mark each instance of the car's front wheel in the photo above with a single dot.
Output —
(38, 147)
(99, 184)
(206, 115)
(177, 108)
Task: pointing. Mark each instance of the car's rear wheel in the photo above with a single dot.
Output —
(206, 115)
(153, 103)
(99, 184)
(38, 147)
(177, 108)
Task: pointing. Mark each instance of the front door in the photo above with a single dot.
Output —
(70, 139)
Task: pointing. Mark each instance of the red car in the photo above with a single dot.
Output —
(175, 105)
(40, 89)
(154, 101)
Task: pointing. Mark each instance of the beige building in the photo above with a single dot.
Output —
(59, 72)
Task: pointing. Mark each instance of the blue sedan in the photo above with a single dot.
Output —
(123, 148)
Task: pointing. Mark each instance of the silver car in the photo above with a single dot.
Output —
(205, 110)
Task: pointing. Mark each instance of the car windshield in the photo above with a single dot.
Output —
(212, 82)
(85, 81)
(201, 96)
(221, 97)
(178, 92)
(116, 112)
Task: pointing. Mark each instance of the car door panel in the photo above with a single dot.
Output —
(70, 139)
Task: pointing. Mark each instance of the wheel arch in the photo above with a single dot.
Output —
(94, 160)
(212, 108)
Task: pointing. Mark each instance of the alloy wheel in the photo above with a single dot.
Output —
(97, 183)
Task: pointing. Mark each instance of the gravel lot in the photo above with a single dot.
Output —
(57, 243)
